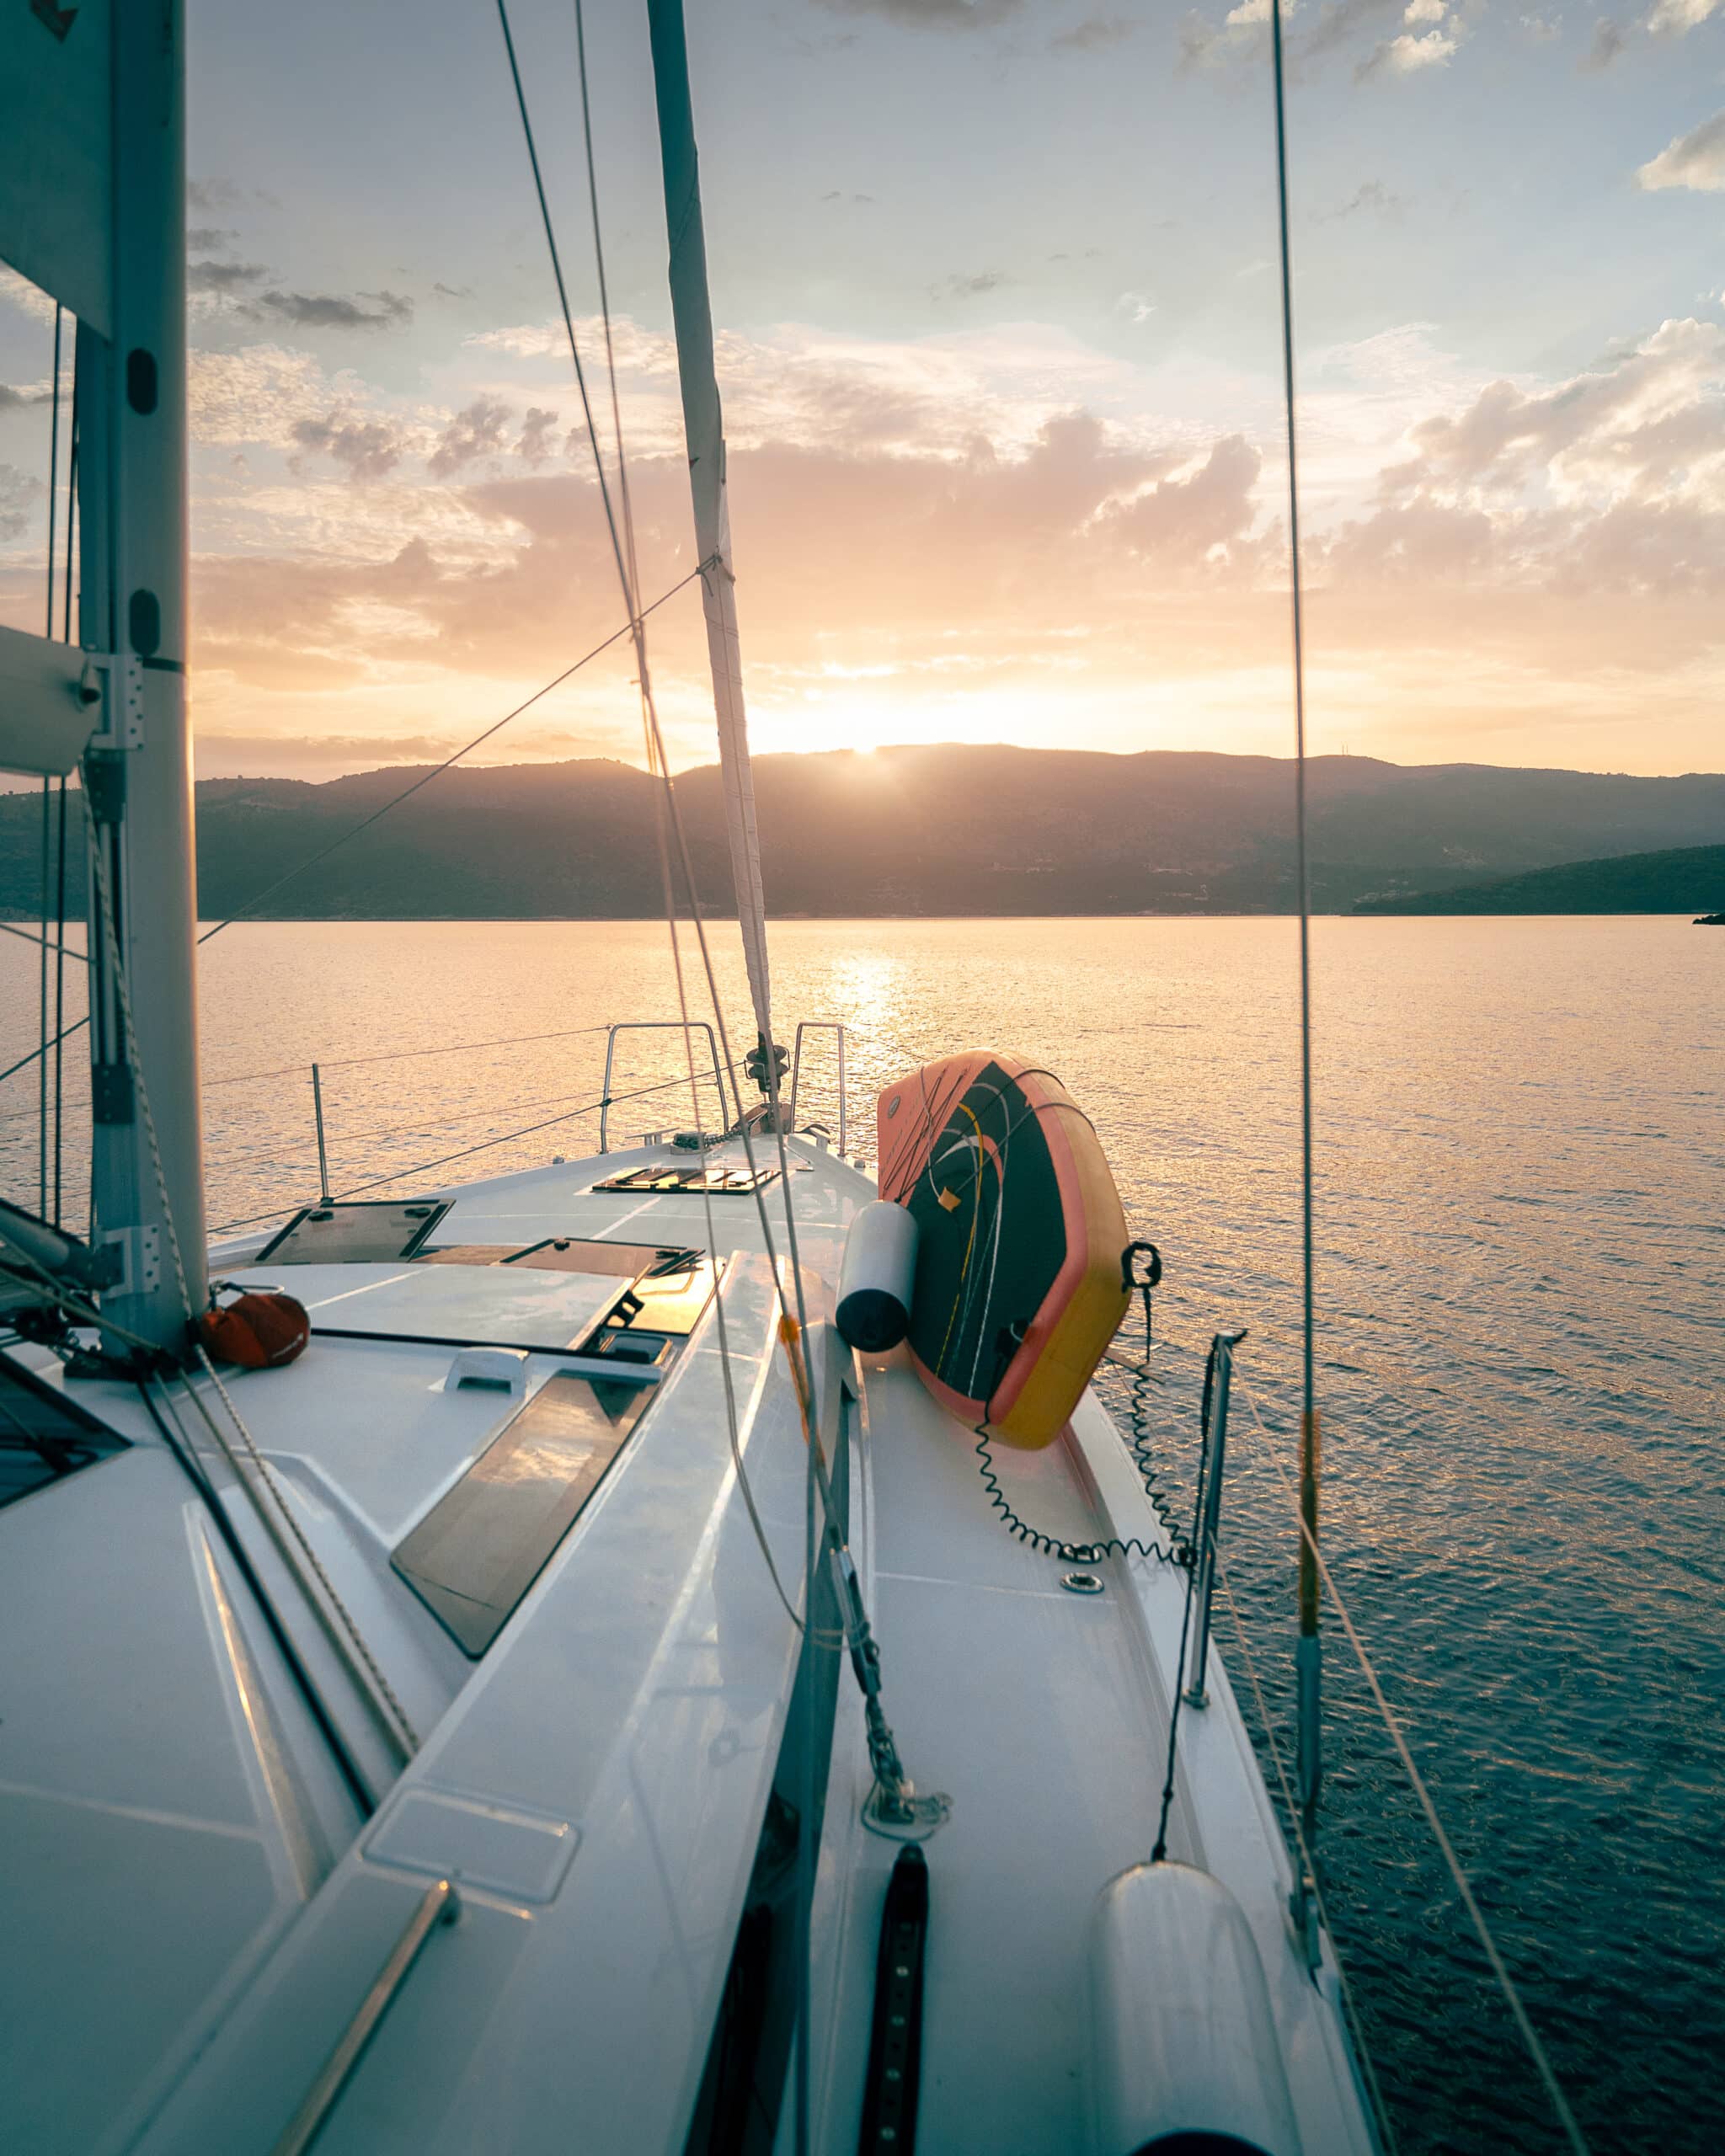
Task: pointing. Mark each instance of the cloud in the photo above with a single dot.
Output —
(474, 433)
(536, 446)
(1611, 480)
(28, 298)
(960, 287)
(221, 277)
(1607, 45)
(1677, 18)
(1203, 518)
(931, 14)
(14, 400)
(323, 311)
(368, 449)
(1094, 35)
(209, 239)
(1696, 160)
(1371, 195)
(1429, 40)
(18, 493)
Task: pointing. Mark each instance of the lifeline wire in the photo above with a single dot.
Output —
(1379, 2109)
(1464, 1887)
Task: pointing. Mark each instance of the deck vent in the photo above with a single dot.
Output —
(489, 1370)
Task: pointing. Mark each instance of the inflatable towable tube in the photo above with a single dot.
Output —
(1020, 1233)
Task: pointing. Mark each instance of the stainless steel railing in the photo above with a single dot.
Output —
(1203, 1556)
(438, 1904)
(818, 1026)
(660, 1026)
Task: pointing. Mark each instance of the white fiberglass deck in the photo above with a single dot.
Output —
(197, 1904)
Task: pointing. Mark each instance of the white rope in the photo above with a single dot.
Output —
(1464, 1887)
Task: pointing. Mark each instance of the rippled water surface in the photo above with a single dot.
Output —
(1521, 1255)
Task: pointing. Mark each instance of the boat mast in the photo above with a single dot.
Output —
(93, 210)
(704, 429)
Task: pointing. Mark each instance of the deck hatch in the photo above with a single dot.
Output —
(719, 1182)
(366, 1231)
(483, 1545)
(44, 1437)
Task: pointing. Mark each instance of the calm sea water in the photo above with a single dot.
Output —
(1521, 1280)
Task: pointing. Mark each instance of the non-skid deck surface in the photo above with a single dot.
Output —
(1046, 1728)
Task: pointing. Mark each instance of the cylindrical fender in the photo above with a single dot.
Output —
(876, 1279)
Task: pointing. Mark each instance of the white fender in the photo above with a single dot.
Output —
(876, 1278)
(1185, 2041)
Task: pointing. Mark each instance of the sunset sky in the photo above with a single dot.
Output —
(995, 289)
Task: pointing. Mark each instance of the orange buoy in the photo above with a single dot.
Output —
(261, 1330)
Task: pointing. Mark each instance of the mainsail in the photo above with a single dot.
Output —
(704, 427)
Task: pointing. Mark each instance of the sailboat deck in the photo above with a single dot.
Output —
(595, 1782)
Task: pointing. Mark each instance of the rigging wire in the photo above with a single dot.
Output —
(47, 787)
(66, 1033)
(1464, 1886)
(426, 778)
(1310, 1647)
(657, 765)
(72, 455)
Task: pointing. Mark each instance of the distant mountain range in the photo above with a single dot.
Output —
(942, 830)
(1682, 880)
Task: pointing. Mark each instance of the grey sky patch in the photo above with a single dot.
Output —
(1094, 35)
(1607, 44)
(1370, 196)
(327, 311)
(18, 492)
(210, 239)
(211, 195)
(931, 14)
(220, 276)
(961, 287)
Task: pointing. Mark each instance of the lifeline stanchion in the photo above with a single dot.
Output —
(323, 1154)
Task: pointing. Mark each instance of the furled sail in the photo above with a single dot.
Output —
(704, 427)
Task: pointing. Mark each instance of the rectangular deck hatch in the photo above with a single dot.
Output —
(43, 1436)
(719, 1182)
(483, 1545)
(363, 1231)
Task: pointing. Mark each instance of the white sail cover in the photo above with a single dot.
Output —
(703, 428)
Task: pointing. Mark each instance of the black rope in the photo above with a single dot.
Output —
(193, 1470)
(1175, 1552)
